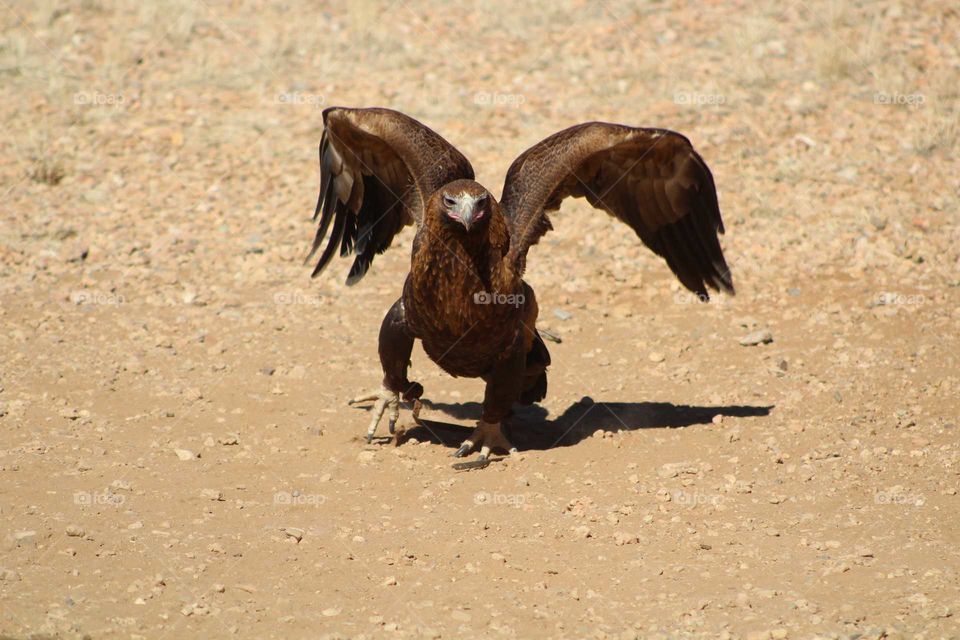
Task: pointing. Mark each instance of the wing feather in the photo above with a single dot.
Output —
(650, 179)
(378, 167)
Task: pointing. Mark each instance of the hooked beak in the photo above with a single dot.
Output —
(465, 208)
(467, 218)
(467, 213)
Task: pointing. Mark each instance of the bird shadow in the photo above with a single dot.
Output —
(530, 428)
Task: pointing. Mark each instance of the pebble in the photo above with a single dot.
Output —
(622, 537)
(761, 336)
(28, 537)
(296, 533)
(75, 531)
(185, 454)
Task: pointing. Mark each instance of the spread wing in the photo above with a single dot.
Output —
(378, 167)
(650, 179)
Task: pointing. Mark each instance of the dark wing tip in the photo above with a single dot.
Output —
(359, 269)
(335, 239)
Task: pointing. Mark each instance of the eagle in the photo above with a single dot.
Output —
(464, 297)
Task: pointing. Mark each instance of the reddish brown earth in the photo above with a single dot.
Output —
(158, 175)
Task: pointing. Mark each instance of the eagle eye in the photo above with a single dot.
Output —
(448, 201)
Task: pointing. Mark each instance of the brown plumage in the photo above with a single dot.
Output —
(465, 298)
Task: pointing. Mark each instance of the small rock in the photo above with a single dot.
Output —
(27, 537)
(185, 454)
(762, 336)
(294, 532)
(75, 531)
(656, 357)
(622, 537)
(562, 314)
(390, 582)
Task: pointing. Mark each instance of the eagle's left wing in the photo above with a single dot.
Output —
(650, 179)
(378, 167)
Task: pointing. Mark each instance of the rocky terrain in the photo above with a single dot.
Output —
(177, 457)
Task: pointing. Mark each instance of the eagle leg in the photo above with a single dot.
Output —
(504, 385)
(396, 345)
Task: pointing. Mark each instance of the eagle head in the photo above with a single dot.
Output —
(465, 205)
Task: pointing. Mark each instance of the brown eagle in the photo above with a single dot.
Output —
(465, 298)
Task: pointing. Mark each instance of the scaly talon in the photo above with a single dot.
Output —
(488, 436)
(384, 399)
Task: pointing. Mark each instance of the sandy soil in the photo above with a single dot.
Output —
(176, 452)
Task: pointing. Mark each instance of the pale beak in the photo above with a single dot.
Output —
(467, 214)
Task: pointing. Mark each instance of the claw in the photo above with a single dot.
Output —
(489, 435)
(384, 399)
(364, 397)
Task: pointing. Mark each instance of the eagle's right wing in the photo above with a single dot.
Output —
(650, 179)
(378, 167)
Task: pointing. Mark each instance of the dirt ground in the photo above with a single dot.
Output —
(176, 452)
